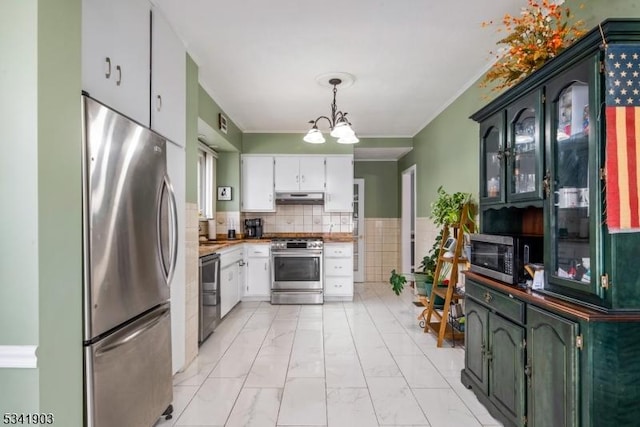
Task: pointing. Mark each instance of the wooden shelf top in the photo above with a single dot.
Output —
(442, 293)
(461, 260)
(553, 303)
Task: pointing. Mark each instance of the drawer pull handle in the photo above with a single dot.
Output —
(488, 297)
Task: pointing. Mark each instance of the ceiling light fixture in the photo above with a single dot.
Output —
(338, 123)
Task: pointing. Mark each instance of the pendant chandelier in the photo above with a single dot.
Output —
(338, 123)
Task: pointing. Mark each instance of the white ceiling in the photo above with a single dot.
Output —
(259, 59)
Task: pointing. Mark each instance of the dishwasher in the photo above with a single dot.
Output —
(209, 296)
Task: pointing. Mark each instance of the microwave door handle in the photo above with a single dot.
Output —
(525, 255)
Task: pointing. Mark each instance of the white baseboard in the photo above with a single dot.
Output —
(18, 356)
(330, 298)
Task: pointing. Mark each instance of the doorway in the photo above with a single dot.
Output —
(408, 220)
(358, 230)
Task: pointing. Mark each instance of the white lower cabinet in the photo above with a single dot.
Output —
(258, 279)
(338, 271)
(231, 261)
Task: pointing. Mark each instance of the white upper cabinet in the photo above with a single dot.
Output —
(168, 80)
(115, 55)
(339, 192)
(257, 184)
(299, 173)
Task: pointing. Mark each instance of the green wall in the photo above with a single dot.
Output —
(595, 11)
(40, 185)
(19, 195)
(445, 152)
(228, 175)
(385, 142)
(381, 198)
(59, 210)
(208, 111)
(290, 143)
(191, 148)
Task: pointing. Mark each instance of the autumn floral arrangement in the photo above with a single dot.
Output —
(540, 33)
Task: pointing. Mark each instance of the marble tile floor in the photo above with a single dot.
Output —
(362, 363)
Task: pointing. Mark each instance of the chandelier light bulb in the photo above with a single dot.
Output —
(314, 136)
(341, 129)
(349, 139)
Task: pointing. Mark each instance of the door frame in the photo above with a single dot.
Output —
(358, 269)
(408, 216)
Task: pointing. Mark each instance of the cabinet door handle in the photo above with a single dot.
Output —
(546, 183)
(489, 356)
(297, 178)
(302, 178)
(158, 103)
(119, 80)
(265, 266)
(488, 297)
(107, 61)
(483, 349)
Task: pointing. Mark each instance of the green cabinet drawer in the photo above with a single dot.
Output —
(505, 305)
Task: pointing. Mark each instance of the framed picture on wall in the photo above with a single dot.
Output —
(224, 193)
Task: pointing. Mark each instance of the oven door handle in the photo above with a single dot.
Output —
(296, 253)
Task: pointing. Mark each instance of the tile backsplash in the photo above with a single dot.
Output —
(382, 248)
(289, 219)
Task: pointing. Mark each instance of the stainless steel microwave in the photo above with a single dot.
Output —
(503, 257)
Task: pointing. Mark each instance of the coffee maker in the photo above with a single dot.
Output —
(253, 228)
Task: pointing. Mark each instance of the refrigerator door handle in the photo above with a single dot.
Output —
(173, 232)
(120, 339)
(173, 206)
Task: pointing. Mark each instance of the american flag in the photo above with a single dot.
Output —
(622, 72)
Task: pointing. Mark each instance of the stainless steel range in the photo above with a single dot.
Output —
(297, 271)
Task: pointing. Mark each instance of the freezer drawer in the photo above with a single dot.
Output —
(128, 374)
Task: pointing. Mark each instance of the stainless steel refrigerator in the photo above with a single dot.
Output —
(130, 244)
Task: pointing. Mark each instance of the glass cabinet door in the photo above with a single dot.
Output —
(491, 159)
(524, 156)
(571, 111)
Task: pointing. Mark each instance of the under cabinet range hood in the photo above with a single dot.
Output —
(300, 198)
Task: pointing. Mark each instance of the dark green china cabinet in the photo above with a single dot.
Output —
(567, 354)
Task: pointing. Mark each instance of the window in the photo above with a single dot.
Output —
(206, 181)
